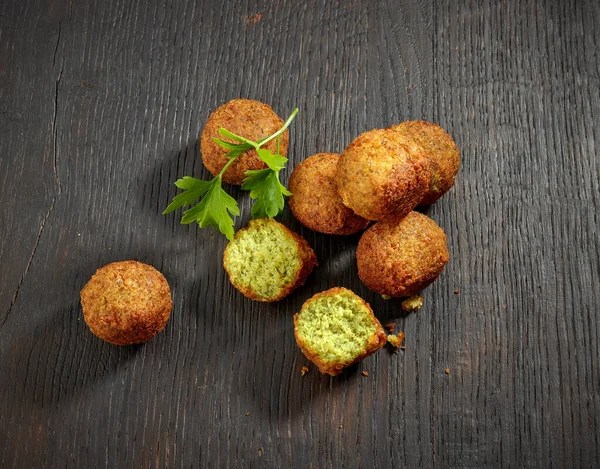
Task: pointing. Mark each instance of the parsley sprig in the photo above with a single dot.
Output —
(217, 208)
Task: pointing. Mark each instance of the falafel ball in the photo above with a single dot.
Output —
(247, 118)
(266, 261)
(401, 257)
(126, 302)
(315, 201)
(441, 151)
(382, 175)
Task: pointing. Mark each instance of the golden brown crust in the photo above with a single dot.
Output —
(308, 261)
(245, 117)
(382, 175)
(400, 258)
(376, 341)
(315, 201)
(441, 151)
(126, 302)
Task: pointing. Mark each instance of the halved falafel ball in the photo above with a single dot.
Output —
(381, 175)
(442, 152)
(337, 328)
(315, 201)
(266, 261)
(249, 119)
(401, 257)
(126, 302)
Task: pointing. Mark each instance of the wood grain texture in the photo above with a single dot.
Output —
(101, 107)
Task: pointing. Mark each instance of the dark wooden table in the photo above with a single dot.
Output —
(101, 107)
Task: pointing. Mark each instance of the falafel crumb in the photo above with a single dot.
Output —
(390, 327)
(385, 297)
(247, 413)
(403, 347)
(412, 303)
(341, 426)
(304, 370)
(253, 19)
(447, 371)
(396, 340)
(365, 373)
(456, 292)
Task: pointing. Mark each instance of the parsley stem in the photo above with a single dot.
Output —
(280, 131)
(231, 160)
(261, 142)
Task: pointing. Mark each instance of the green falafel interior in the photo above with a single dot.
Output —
(336, 328)
(263, 259)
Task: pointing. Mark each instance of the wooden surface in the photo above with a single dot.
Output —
(101, 107)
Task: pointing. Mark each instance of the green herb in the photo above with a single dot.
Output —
(216, 207)
(268, 192)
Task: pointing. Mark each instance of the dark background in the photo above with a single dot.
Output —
(101, 107)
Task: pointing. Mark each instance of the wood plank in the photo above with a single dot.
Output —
(521, 341)
(101, 107)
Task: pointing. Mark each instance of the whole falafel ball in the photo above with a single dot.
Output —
(126, 302)
(315, 201)
(401, 257)
(442, 152)
(382, 175)
(249, 119)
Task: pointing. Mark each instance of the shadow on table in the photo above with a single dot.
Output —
(155, 192)
(58, 358)
(275, 385)
(256, 340)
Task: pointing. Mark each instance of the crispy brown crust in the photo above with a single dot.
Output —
(245, 117)
(402, 257)
(315, 201)
(442, 152)
(376, 341)
(308, 261)
(126, 302)
(382, 175)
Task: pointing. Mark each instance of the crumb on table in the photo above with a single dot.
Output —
(304, 370)
(390, 327)
(456, 292)
(365, 373)
(396, 340)
(447, 371)
(253, 19)
(412, 303)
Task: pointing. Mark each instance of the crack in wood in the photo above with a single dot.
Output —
(27, 267)
(56, 177)
(55, 133)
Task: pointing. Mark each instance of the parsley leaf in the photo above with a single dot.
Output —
(234, 149)
(231, 135)
(214, 209)
(274, 161)
(194, 189)
(217, 208)
(267, 191)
